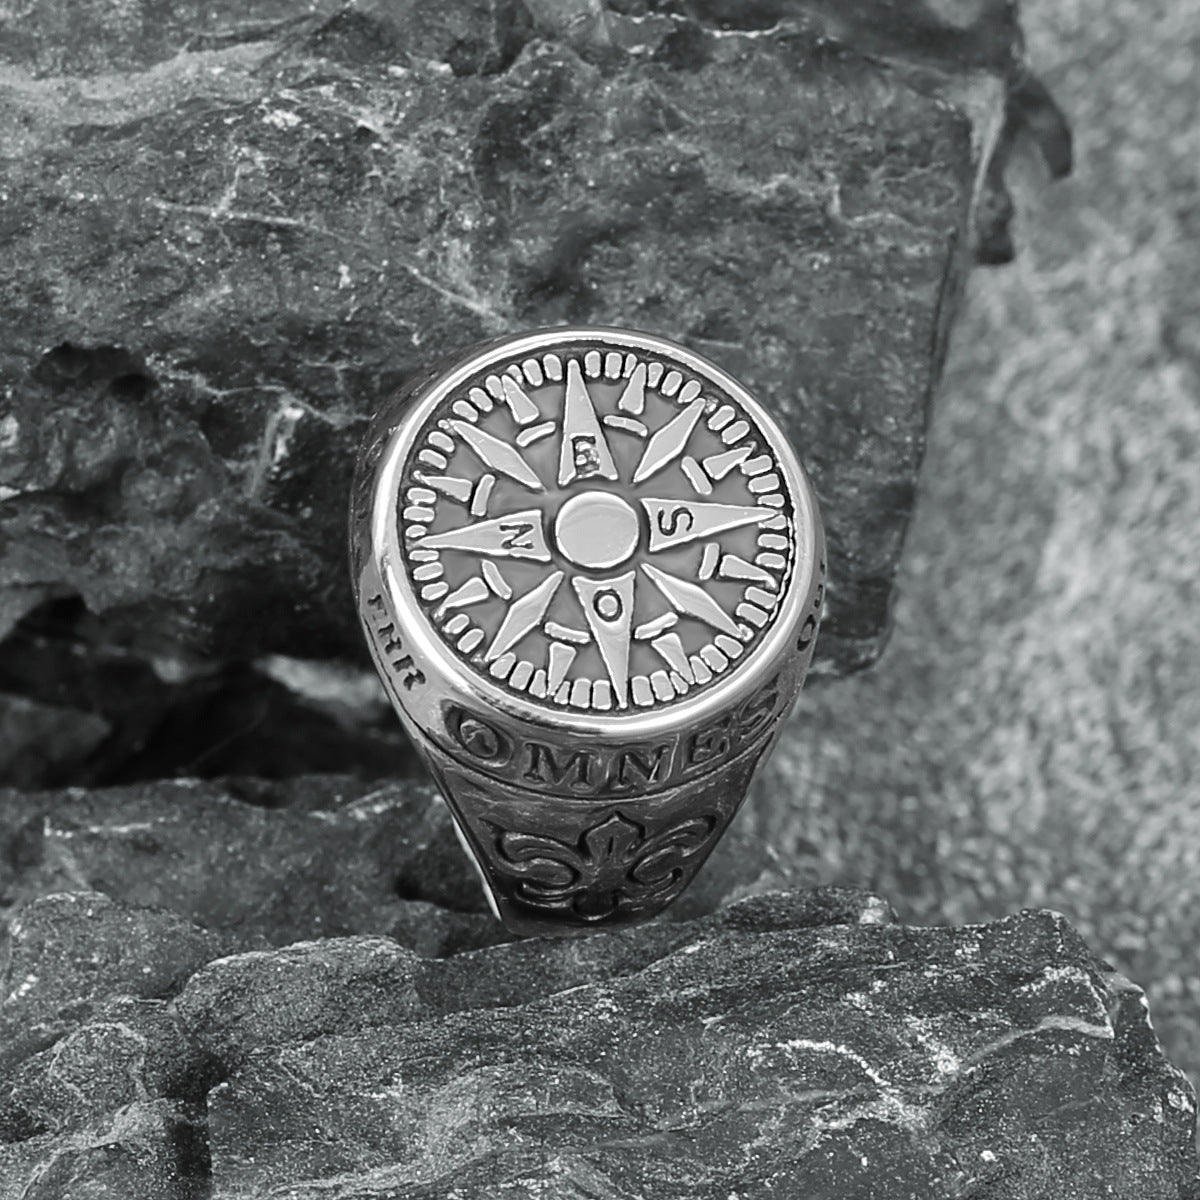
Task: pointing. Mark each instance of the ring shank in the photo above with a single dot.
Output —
(570, 833)
(555, 865)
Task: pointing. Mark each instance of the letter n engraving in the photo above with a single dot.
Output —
(638, 767)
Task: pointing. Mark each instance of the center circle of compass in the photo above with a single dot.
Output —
(597, 527)
(597, 530)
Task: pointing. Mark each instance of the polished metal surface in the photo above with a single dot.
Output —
(589, 567)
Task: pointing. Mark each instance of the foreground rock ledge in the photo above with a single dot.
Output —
(233, 229)
(761, 1051)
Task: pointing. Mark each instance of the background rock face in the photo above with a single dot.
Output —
(1029, 737)
(273, 864)
(232, 230)
(232, 233)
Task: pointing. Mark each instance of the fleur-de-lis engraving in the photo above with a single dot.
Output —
(614, 868)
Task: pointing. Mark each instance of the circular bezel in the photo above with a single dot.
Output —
(761, 662)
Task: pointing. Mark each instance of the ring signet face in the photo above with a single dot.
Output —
(599, 524)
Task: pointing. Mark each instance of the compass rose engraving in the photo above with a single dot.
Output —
(596, 529)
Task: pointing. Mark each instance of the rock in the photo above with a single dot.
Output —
(300, 992)
(65, 954)
(273, 862)
(128, 1050)
(846, 1060)
(44, 744)
(344, 985)
(234, 230)
(149, 1150)
(70, 949)
(789, 1044)
(85, 712)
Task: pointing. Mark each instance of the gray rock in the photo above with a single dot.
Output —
(41, 740)
(346, 985)
(789, 1044)
(126, 1051)
(848, 1060)
(310, 858)
(149, 1150)
(84, 712)
(234, 229)
(64, 954)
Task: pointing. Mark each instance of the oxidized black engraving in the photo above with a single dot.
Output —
(720, 740)
(614, 869)
(608, 768)
(808, 631)
(391, 646)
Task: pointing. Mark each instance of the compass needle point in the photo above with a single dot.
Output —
(608, 609)
(584, 453)
(561, 656)
(670, 646)
(474, 591)
(719, 465)
(669, 442)
(456, 489)
(524, 615)
(498, 455)
(517, 535)
(678, 522)
(690, 600)
(633, 398)
(520, 405)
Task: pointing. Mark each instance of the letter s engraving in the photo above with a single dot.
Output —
(679, 520)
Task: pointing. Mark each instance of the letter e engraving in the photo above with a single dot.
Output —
(705, 745)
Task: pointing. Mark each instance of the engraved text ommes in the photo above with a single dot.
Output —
(587, 771)
(611, 769)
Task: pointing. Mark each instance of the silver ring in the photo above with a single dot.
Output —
(589, 567)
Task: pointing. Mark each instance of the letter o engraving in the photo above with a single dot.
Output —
(479, 739)
(608, 605)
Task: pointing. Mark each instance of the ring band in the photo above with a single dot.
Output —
(589, 567)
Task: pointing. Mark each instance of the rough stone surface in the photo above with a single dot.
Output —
(192, 1029)
(42, 743)
(840, 1061)
(277, 863)
(233, 229)
(128, 1049)
(790, 1044)
(345, 985)
(148, 1150)
(76, 709)
(66, 953)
